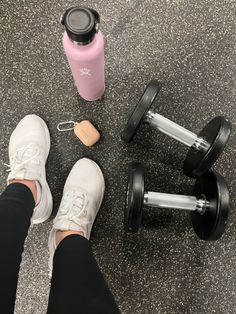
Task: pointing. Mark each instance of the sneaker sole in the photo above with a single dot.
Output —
(49, 202)
(103, 190)
(101, 176)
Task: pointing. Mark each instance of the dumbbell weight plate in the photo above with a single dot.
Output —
(216, 133)
(211, 225)
(140, 111)
(134, 198)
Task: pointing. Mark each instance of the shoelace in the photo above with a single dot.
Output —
(73, 206)
(19, 160)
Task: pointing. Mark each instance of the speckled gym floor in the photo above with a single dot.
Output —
(190, 47)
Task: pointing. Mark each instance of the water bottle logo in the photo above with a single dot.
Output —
(85, 71)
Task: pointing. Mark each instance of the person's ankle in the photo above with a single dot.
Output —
(60, 235)
(30, 184)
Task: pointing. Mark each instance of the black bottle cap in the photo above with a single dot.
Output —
(81, 24)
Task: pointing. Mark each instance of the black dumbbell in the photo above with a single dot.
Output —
(208, 205)
(205, 148)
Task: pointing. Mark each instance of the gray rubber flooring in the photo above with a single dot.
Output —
(190, 47)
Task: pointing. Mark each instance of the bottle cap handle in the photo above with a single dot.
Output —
(96, 17)
(63, 16)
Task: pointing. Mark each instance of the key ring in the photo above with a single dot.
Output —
(62, 129)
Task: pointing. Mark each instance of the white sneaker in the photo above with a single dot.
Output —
(82, 197)
(28, 151)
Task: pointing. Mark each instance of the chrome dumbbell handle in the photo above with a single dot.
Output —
(175, 131)
(164, 200)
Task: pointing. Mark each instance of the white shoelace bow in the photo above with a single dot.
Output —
(23, 157)
(73, 206)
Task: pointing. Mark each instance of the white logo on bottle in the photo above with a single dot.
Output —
(85, 71)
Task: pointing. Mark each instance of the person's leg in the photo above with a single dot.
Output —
(16, 208)
(77, 284)
(27, 186)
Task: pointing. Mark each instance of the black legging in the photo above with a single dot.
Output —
(77, 284)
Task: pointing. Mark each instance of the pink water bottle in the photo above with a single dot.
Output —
(84, 48)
